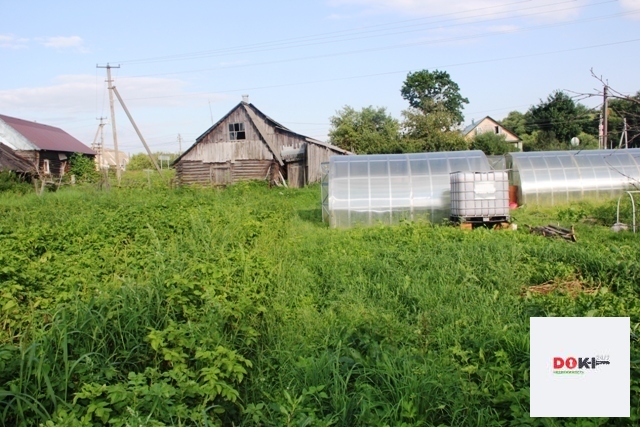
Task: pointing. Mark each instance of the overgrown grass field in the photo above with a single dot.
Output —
(201, 307)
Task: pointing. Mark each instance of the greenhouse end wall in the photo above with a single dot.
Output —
(557, 177)
(388, 189)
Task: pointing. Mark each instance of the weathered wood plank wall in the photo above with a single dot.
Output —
(296, 174)
(316, 155)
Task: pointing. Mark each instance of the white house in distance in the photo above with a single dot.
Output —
(106, 158)
(489, 125)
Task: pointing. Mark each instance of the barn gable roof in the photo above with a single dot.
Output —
(254, 115)
(45, 137)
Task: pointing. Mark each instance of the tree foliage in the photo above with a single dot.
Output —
(368, 131)
(492, 144)
(432, 132)
(516, 122)
(629, 109)
(430, 91)
(141, 161)
(83, 167)
(559, 117)
(552, 124)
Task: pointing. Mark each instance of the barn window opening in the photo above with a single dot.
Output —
(45, 167)
(236, 131)
(497, 130)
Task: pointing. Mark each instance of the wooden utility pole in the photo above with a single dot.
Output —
(133, 123)
(113, 120)
(179, 144)
(605, 116)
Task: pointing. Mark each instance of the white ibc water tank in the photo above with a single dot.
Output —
(480, 194)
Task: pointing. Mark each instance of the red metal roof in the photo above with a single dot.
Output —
(47, 137)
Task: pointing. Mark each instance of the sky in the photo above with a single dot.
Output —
(184, 65)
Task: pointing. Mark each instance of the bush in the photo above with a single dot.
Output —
(83, 167)
(492, 144)
(12, 182)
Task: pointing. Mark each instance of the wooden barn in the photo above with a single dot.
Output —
(45, 147)
(246, 144)
(10, 161)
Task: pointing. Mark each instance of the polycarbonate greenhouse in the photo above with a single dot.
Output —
(386, 189)
(554, 177)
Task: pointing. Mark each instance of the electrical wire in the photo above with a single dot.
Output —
(392, 47)
(442, 66)
(317, 39)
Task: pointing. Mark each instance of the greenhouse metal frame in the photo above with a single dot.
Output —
(387, 189)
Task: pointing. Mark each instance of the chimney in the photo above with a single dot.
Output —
(245, 99)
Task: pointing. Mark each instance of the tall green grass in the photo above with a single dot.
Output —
(188, 306)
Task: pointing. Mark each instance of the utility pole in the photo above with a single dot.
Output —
(624, 137)
(600, 135)
(605, 115)
(113, 119)
(179, 144)
(126, 110)
(98, 146)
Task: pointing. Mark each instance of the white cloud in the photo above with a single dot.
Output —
(631, 5)
(9, 41)
(72, 102)
(464, 9)
(62, 42)
(77, 94)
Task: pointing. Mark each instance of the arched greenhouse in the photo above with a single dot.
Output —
(387, 189)
(556, 177)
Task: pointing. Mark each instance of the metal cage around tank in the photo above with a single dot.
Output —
(560, 177)
(387, 189)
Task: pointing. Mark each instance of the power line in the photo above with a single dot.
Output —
(304, 41)
(395, 46)
(483, 61)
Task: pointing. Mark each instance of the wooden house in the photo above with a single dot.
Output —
(246, 144)
(10, 161)
(45, 147)
(489, 125)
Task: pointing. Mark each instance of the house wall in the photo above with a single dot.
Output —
(296, 176)
(316, 155)
(216, 147)
(222, 173)
(487, 125)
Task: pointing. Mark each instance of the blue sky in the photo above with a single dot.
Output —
(184, 64)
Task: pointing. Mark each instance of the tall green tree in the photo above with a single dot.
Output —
(431, 132)
(625, 108)
(516, 122)
(430, 91)
(558, 118)
(368, 131)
